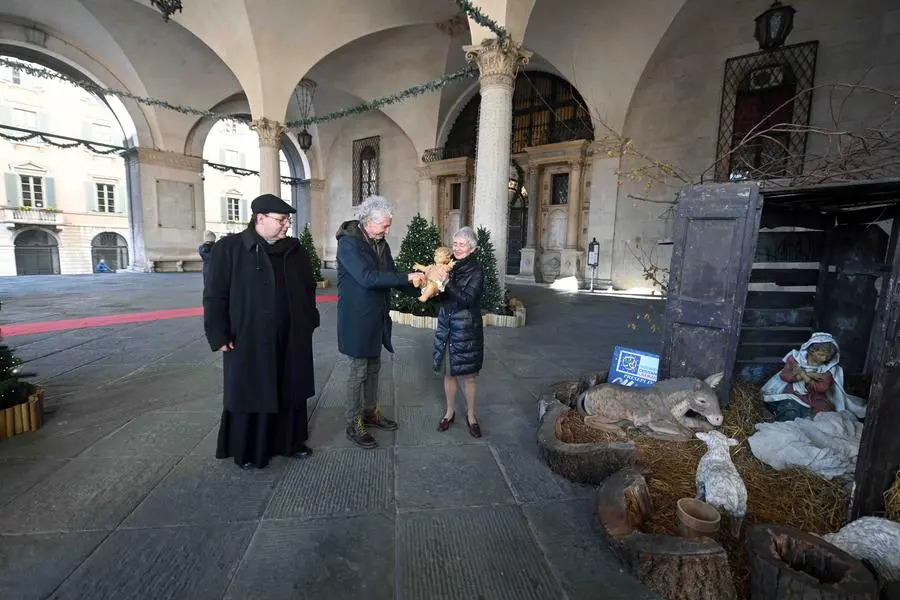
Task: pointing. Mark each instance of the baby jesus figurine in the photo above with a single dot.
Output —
(443, 262)
(810, 382)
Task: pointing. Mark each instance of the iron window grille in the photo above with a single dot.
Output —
(759, 92)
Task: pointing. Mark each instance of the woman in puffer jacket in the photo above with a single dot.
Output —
(459, 339)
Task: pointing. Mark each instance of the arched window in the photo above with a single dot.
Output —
(765, 99)
(368, 170)
(37, 253)
(112, 248)
(759, 92)
(546, 109)
(366, 154)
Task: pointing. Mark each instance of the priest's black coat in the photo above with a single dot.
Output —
(239, 307)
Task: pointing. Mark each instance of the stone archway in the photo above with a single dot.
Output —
(111, 248)
(37, 253)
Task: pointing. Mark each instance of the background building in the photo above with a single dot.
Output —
(65, 209)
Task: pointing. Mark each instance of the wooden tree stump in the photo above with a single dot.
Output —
(673, 567)
(787, 563)
(581, 463)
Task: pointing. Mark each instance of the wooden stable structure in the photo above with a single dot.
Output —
(754, 272)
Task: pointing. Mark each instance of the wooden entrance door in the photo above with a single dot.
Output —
(715, 232)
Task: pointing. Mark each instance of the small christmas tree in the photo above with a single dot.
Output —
(421, 240)
(491, 298)
(306, 240)
(13, 387)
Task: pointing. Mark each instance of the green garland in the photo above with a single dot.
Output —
(417, 90)
(481, 18)
(378, 103)
(99, 90)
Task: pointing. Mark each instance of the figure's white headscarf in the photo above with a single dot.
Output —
(840, 399)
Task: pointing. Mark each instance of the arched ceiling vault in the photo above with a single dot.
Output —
(271, 47)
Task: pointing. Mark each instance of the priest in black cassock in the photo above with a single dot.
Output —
(259, 310)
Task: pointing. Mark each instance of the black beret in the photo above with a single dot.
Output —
(270, 203)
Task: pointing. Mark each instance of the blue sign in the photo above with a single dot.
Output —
(633, 367)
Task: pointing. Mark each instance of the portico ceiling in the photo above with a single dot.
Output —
(216, 49)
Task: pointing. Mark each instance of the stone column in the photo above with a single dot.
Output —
(528, 266)
(571, 257)
(574, 205)
(498, 62)
(269, 133)
(463, 202)
(166, 210)
(318, 218)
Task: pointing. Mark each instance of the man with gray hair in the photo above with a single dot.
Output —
(366, 274)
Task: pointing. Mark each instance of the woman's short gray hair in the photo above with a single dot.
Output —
(468, 234)
(373, 208)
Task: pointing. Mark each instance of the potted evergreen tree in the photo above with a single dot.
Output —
(306, 240)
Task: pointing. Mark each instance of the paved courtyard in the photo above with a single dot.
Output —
(119, 496)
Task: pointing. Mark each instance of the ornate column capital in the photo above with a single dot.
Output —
(575, 166)
(423, 172)
(498, 60)
(269, 132)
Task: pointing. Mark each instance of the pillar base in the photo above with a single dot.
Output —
(526, 262)
(571, 264)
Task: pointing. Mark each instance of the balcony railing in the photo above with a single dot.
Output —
(26, 216)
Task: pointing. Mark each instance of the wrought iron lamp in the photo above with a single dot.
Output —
(304, 93)
(305, 139)
(774, 25)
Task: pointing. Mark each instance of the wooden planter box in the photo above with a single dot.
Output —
(24, 417)
(489, 320)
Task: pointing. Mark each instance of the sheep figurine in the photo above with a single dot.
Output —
(718, 482)
(873, 540)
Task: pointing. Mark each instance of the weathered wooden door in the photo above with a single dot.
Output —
(879, 449)
(714, 242)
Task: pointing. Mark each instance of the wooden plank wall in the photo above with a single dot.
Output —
(780, 312)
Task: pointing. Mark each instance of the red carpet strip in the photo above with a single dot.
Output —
(111, 320)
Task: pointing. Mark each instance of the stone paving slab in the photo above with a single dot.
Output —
(205, 491)
(531, 480)
(18, 475)
(418, 427)
(34, 565)
(156, 434)
(334, 482)
(449, 477)
(566, 532)
(472, 553)
(207, 446)
(346, 558)
(54, 440)
(327, 429)
(211, 403)
(172, 563)
(84, 494)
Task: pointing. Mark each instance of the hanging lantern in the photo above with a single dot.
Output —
(305, 139)
(167, 7)
(774, 25)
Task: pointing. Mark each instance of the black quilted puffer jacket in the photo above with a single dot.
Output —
(460, 329)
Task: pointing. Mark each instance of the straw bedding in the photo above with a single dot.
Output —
(792, 497)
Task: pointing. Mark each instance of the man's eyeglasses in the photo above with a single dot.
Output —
(281, 220)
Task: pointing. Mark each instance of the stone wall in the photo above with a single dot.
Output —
(674, 114)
